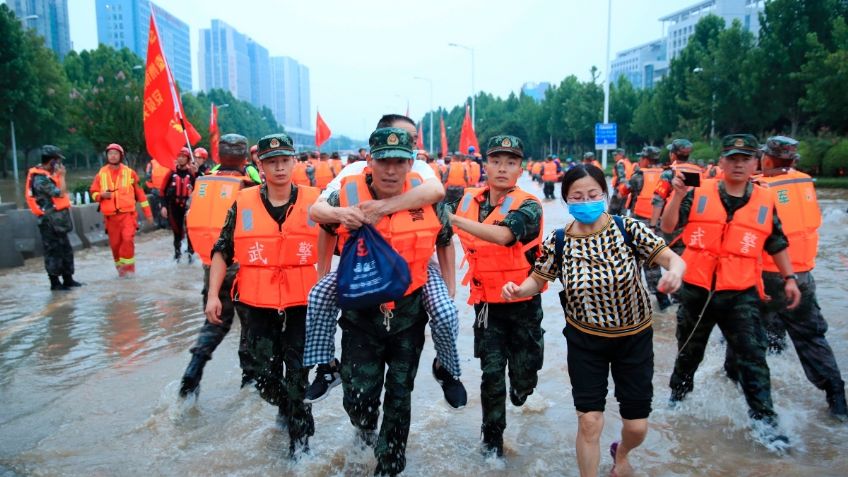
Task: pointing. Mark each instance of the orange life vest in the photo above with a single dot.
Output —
(299, 175)
(336, 166)
(628, 172)
(597, 164)
(212, 197)
(456, 175)
(123, 190)
(323, 174)
(156, 173)
(795, 199)
(473, 173)
(59, 203)
(722, 255)
(537, 168)
(491, 265)
(643, 207)
(549, 172)
(411, 233)
(276, 263)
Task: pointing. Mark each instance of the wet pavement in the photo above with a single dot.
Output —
(89, 378)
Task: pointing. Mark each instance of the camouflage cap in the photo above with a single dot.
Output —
(620, 151)
(389, 143)
(681, 147)
(588, 155)
(745, 144)
(505, 143)
(232, 145)
(651, 152)
(781, 147)
(273, 145)
(51, 152)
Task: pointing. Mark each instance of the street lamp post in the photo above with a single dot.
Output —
(431, 108)
(712, 106)
(12, 120)
(473, 90)
(607, 82)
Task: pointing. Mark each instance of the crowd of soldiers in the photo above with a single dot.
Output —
(266, 220)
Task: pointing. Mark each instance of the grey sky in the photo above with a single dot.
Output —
(363, 54)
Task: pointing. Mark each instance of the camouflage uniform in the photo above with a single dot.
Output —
(508, 334)
(54, 226)
(652, 273)
(737, 314)
(273, 342)
(616, 203)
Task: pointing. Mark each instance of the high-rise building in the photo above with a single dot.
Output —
(50, 20)
(290, 85)
(642, 65)
(224, 60)
(260, 74)
(125, 23)
(536, 90)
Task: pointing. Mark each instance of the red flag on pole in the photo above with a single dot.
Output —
(214, 134)
(322, 131)
(467, 137)
(419, 143)
(444, 134)
(166, 129)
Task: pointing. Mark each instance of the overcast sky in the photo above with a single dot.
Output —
(363, 55)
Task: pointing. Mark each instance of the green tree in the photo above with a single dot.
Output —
(826, 75)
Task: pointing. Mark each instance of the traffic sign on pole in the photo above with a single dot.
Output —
(606, 136)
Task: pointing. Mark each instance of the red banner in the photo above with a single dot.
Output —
(214, 134)
(322, 131)
(166, 129)
(444, 136)
(467, 137)
(419, 143)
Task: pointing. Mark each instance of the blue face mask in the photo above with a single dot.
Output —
(587, 212)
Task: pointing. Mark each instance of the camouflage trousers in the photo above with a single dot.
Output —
(616, 204)
(806, 327)
(58, 254)
(212, 335)
(737, 315)
(275, 345)
(453, 194)
(652, 273)
(507, 335)
(373, 356)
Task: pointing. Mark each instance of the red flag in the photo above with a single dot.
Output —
(166, 129)
(419, 143)
(214, 134)
(466, 136)
(444, 134)
(322, 131)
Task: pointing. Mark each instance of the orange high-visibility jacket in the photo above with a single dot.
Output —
(124, 188)
(549, 172)
(212, 197)
(457, 175)
(323, 174)
(643, 207)
(59, 203)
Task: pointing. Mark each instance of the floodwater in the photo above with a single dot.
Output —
(89, 379)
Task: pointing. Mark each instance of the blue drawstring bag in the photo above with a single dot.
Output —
(370, 272)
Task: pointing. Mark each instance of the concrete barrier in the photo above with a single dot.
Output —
(73, 236)
(7, 206)
(88, 225)
(25, 232)
(9, 255)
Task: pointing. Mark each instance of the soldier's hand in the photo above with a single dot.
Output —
(678, 184)
(670, 282)
(373, 210)
(213, 310)
(106, 194)
(59, 170)
(352, 217)
(510, 291)
(793, 294)
(164, 212)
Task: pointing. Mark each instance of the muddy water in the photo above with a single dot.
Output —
(88, 384)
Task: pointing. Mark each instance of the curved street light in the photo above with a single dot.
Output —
(473, 91)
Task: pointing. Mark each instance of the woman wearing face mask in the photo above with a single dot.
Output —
(607, 310)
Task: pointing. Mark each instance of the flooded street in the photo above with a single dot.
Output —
(89, 379)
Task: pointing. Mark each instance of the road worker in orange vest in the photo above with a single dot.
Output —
(795, 200)
(117, 190)
(212, 197)
(551, 174)
(500, 228)
(728, 225)
(269, 233)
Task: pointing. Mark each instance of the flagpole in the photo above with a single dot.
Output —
(174, 97)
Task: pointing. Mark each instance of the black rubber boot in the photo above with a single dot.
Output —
(836, 404)
(492, 442)
(55, 284)
(193, 373)
(68, 281)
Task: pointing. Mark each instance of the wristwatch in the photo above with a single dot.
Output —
(790, 277)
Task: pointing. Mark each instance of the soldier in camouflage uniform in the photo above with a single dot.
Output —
(505, 334)
(233, 154)
(617, 201)
(275, 337)
(48, 199)
(376, 355)
(736, 312)
(805, 324)
(679, 151)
